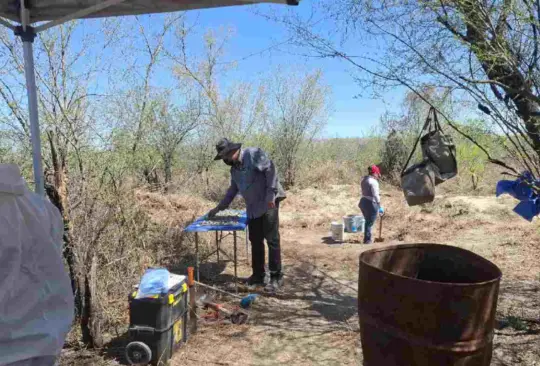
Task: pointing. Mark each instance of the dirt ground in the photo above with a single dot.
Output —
(315, 322)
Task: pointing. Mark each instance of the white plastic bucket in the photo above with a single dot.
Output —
(336, 229)
(350, 224)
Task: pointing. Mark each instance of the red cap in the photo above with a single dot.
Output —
(374, 169)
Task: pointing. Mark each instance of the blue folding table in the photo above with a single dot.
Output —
(197, 227)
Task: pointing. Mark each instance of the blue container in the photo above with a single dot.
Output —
(359, 223)
(350, 223)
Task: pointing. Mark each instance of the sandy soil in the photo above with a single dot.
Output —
(314, 321)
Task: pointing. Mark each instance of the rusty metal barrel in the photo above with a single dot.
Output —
(426, 305)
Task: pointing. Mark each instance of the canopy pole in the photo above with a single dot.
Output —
(27, 37)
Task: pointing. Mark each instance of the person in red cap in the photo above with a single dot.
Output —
(370, 203)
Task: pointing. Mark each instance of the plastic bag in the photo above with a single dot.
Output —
(155, 281)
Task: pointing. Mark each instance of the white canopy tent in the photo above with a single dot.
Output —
(22, 15)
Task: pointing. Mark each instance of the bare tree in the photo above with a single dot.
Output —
(237, 111)
(393, 156)
(171, 126)
(484, 52)
(65, 74)
(298, 111)
(154, 45)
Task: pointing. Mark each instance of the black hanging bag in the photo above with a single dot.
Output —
(439, 149)
(438, 165)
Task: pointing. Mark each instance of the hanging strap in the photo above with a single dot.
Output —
(427, 124)
(436, 120)
(438, 128)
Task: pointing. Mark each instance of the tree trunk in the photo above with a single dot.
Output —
(68, 252)
(475, 180)
(56, 189)
(290, 176)
(85, 309)
(498, 62)
(151, 176)
(167, 160)
(90, 320)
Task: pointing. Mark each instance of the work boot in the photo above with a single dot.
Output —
(275, 284)
(255, 281)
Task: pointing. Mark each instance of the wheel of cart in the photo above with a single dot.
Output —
(138, 353)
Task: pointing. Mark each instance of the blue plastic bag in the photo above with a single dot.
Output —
(522, 189)
(528, 209)
(154, 282)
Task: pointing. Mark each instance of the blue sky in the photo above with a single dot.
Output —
(351, 116)
(252, 46)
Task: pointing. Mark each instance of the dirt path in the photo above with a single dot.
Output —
(315, 321)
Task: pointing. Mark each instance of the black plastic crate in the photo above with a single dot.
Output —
(160, 311)
(156, 346)
(158, 326)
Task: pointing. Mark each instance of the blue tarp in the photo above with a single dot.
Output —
(196, 226)
(521, 189)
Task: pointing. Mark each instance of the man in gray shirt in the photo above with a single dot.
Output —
(254, 176)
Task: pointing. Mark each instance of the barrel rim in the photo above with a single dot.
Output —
(444, 284)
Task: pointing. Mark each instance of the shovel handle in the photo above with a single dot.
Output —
(380, 227)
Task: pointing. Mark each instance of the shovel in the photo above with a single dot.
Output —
(380, 239)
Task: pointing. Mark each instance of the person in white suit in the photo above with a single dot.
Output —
(36, 299)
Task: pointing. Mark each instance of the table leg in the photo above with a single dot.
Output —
(235, 264)
(246, 233)
(192, 302)
(217, 246)
(197, 254)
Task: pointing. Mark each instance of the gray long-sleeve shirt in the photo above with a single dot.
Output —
(370, 189)
(256, 179)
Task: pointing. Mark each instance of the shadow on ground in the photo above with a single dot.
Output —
(114, 350)
(311, 321)
(517, 330)
(207, 271)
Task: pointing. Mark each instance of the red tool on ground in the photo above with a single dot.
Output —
(236, 316)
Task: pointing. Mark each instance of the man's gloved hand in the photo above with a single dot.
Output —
(381, 211)
(212, 213)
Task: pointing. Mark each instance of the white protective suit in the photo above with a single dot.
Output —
(36, 300)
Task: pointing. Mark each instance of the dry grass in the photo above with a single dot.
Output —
(315, 322)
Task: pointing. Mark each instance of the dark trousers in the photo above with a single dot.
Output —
(261, 228)
(369, 210)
